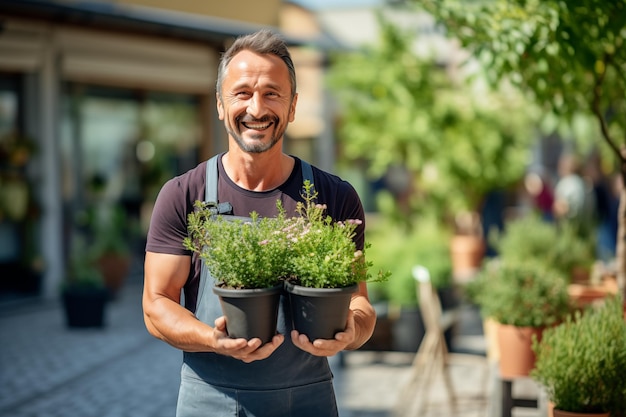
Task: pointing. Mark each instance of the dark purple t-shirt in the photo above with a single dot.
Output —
(168, 225)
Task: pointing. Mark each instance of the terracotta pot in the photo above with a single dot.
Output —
(114, 268)
(561, 413)
(582, 295)
(609, 282)
(467, 252)
(517, 358)
(580, 275)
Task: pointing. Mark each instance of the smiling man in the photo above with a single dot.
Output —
(289, 376)
(252, 101)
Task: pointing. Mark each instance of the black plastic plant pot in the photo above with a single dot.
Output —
(319, 313)
(85, 307)
(250, 313)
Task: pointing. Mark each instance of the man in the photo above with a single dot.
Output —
(289, 376)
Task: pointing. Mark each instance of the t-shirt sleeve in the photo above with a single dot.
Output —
(353, 209)
(343, 202)
(168, 223)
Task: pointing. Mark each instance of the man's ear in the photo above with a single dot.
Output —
(292, 110)
(220, 106)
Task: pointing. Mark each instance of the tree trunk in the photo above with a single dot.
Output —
(620, 250)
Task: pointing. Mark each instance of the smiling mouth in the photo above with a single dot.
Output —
(257, 125)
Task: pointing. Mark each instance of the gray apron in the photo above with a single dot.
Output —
(289, 383)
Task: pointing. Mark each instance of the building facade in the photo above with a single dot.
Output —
(102, 102)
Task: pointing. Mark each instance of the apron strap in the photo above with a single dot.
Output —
(307, 173)
(211, 180)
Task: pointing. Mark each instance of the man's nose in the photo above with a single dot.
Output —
(255, 106)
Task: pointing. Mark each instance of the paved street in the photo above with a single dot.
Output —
(48, 370)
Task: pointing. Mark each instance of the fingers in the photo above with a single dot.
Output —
(326, 347)
(265, 350)
(242, 349)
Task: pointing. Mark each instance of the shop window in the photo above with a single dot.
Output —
(20, 268)
(119, 146)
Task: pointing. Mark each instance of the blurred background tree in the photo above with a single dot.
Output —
(568, 57)
(441, 141)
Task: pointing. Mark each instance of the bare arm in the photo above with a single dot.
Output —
(166, 319)
(359, 328)
(364, 317)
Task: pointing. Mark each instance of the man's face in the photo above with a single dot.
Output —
(256, 103)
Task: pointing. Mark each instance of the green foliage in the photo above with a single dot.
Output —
(397, 249)
(582, 362)
(239, 253)
(309, 249)
(457, 141)
(558, 246)
(569, 57)
(322, 253)
(111, 230)
(520, 293)
(82, 270)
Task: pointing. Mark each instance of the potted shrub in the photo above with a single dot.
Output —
(248, 259)
(530, 237)
(582, 362)
(559, 246)
(324, 268)
(523, 298)
(112, 232)
(83, 293)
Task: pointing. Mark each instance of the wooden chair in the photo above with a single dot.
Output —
(432, 358)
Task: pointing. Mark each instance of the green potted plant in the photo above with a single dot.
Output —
(83, 292)
(582, 362)
(557, 245)
(112, 233)
(324, 268)
(248, 260)
(523, 297)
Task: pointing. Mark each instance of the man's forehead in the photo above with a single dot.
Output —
(248, 68)
(248, 61)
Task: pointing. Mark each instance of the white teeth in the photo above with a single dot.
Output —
(257, 126)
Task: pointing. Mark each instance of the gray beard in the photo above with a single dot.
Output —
(259, 147)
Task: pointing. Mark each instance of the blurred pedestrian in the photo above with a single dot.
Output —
(574, 203)
(539, 188)
(606, 192)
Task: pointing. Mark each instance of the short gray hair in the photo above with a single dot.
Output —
(263, 42)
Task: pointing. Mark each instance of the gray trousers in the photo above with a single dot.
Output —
(198, 399)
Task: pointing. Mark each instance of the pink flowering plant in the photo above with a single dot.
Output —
(309, 249)
(322, 252)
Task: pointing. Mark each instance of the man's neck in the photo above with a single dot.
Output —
(258, 172)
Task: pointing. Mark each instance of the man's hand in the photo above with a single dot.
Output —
(326, 347)
(242, 349)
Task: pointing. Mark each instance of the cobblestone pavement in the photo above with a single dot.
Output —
(48, 370)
